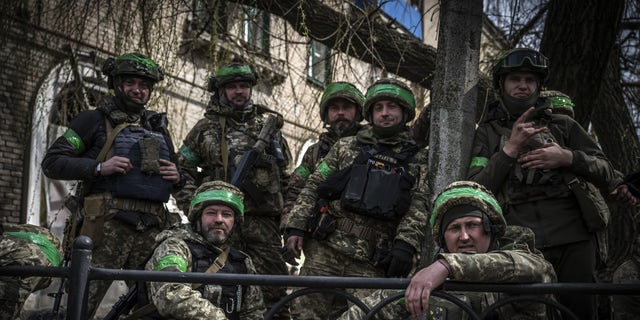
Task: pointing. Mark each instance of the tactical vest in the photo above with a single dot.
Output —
(144, 148)
(227, 298)
(379, 183)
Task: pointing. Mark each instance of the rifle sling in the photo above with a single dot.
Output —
(224, 148)
(214, 268)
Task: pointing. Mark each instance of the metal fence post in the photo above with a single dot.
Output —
(79, 278)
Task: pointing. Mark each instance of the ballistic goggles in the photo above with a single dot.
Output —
(517, 58)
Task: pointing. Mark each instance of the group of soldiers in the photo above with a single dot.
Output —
(358, 205)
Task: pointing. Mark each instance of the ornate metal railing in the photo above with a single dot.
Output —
(81, 272)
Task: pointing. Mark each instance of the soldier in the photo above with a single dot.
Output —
(544, 169)
(215, 211)
(356, 229)
(24, 245)
(476, 246)
(124, 155)
(341, 112)
(214, 149)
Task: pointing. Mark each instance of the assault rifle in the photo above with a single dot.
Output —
(251, 157)
(71, 231)
(125, 303)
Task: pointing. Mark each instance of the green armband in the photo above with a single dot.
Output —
(169, 262)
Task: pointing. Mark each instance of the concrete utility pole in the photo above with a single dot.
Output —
(453, 98)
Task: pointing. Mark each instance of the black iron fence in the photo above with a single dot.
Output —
(81, 272)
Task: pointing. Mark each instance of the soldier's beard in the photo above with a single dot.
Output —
(216, 236)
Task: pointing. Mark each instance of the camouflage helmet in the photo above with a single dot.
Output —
(466, 193)
(390, 89)
(523, 60)
(560, 102)
(235, 71)
(133, 64)
(343, 90)
(216, 192)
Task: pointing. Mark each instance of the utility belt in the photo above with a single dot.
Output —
(362, 232)
(99, 207)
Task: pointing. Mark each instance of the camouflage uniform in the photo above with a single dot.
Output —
(627, 307)
(511, 258)
(344, 253)
(24, 245)
(122, 217)
(312, 157)
(180, 300)
(541, 199)
(259, 235)
(516, 261)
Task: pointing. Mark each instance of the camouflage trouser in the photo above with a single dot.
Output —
(393, 310)
(14, 291)
(320, 260)
(626, 306)
(121, 246)
(260, 239)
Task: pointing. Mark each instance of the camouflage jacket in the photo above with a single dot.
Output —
(180, 300)
(514, 261)
(312, 157)
(491, 167)
(409, 228)
(202, 148)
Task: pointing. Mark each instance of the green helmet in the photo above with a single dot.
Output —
(216, 192)
(343, 90)
(520, 59)
(231, 73)
(560, 102)
(390, 89)
(133, 64)
(468, 193)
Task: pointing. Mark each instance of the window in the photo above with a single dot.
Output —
(255, 29)
(206, 15)
(319, 66)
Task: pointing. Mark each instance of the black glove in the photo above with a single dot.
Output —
(400, 260)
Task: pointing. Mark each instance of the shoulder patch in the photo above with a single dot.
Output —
(302, 171)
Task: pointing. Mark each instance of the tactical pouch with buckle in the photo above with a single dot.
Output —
(593, 207)
(95, 211)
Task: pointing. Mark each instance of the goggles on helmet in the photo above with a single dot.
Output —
(517, 58)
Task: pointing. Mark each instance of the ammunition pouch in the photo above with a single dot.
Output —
(99, 207)
(594, 209)
(382, 193)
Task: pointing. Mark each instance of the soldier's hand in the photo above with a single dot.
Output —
(116, 165)
(295, 245)
(422, 284)
(624, 196)
(520, 134)
(549, 156)
(169, 171)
